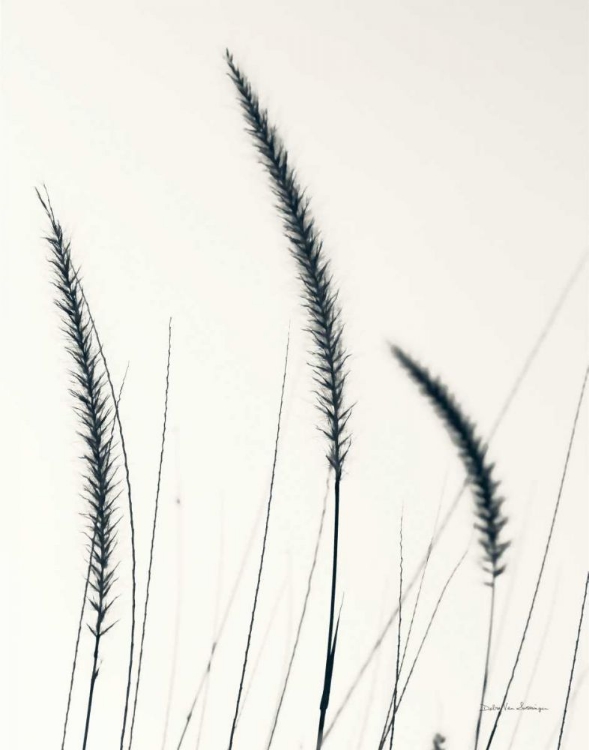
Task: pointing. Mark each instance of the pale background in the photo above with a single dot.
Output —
(445, 149)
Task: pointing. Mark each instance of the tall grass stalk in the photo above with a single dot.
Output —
(153, 535)
(574, 662)
(93, 409)
(325, 323)
(263, 551)
(543, 563)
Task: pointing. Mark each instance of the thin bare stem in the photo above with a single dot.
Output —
(263, 552)
(426, 634)
(431, 622)
(263, 643)
(572, 673)
(487, 658)
(421, 580)
(176, 641)
(575, 694)
(400, 622)
(215, 630)
(540, 651)
(207, 669)
(153, 534)
(301, 619)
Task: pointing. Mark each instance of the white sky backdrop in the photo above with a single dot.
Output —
(444, 147)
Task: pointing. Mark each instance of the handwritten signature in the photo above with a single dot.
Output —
(522, 707)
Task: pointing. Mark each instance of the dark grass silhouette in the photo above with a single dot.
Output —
(325, 321)
(530, 358)
(479, 470)
(542, 564)
(574, 662)
(263, 551)
(153, 536)
(94, 410)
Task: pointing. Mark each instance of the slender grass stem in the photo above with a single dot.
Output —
(399, 625)
(431, 622)
(541, 647)
(301, 620)
(572, 673)
(177, 610)
(263, 643)
(153, 535)
(217, 640)
(263, 552)
(427, 631)
(218, 587)
(549, 745)
(331, 643)
(487, 662)
(422, 578)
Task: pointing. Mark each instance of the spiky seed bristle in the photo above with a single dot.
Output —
(319, 295)
(462, 430)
